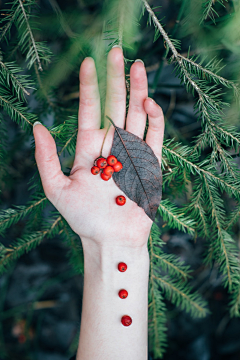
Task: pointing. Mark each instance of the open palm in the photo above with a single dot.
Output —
(86, 201)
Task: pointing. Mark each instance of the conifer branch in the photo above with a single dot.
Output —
(31, 36)
(227, 134)
(209, 105)
(42, 87)
(7, 27)
(222, 155)
(25, 244)
(180, 295)
(234, 305)
(225, 252)
(197, 204)
(158, 323)
(209, 10)
(68, 142)
(14, 79)
(200, 170)
(11, 109)
(169, 264)
(170, 213)
(211, 74)
(234, 217)
(75, 249)
(12, 216)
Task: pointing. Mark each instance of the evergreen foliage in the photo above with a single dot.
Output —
(205, 216)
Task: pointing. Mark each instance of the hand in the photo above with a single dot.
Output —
(85, 200)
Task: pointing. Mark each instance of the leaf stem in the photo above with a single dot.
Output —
(105, 137)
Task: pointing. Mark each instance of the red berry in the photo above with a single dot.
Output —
(118, 166)
(95, 170)
(101, 163)
(105, 177)
(121, 200)
(108, 170)
(126, 320)
(123, 294)
(111, 160)
(22, 338)
(122, 266)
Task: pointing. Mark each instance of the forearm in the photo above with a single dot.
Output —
(102, 335)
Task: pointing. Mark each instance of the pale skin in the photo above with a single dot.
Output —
(109, 233)
(85, 200)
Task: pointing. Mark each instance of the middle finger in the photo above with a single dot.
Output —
(115, 106)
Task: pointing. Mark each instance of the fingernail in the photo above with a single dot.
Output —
(117, 46)
(151, 99)
(37, 123)
(139, 60)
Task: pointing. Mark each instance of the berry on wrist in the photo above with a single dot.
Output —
(122, 266)
(126, 320)
(123, 294)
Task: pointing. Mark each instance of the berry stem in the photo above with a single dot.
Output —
(104, 139)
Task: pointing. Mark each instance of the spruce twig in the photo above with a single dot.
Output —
(31, 36)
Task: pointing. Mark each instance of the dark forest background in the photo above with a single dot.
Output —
(41, 292)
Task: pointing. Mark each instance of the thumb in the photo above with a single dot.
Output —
(48, 162)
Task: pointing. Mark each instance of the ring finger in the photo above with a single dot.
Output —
(136, 118)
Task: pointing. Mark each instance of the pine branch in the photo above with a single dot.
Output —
(42, 87)
(232, 186)
(196, 209)
(67, 130)
(174, 285)
(75, 253)
(205, 72)
(31, 36)
(229, 138)
(171, 264)
(19, 14)
(6, 28)
(10, 72)
(234, 217)
(25, 244)
(224, 249)
(157, 321)
(179, 294)
(157, 308)
(10, 216)
(16, 110)
(209, 10)
(175, 217)
(209, 106)
(3, 151)
(227, 163)
(234, 304)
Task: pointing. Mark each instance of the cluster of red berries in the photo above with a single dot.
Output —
(108, 166)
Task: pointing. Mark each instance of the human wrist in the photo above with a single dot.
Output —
(104, 257)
